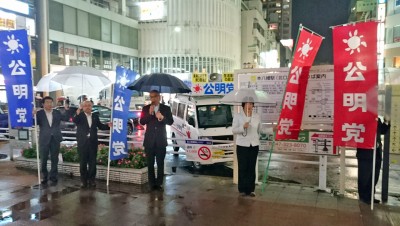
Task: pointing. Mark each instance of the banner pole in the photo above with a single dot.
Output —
(373, 174)
(313, 32)
(353, 23)
(265, 178)
(35, 119)
(110, 139)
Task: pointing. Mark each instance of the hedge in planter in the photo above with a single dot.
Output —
(136, 158)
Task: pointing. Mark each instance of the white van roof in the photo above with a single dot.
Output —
(200, 100)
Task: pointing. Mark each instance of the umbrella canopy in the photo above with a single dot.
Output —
(47, 84)
(163, 83)
(237, 97)
(86, 78)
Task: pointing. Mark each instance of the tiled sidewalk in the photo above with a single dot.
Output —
(187, 200)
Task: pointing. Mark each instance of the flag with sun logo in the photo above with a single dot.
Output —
(356, 79)
(16, 67)
(304, 54)
(120, 113)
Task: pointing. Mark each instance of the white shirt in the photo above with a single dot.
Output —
(49, 116)
(156, 108)
(252, 137)
(89, 119)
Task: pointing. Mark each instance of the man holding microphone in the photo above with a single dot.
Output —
(155, 116)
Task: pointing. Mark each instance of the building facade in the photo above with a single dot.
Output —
(279, 18)
(259, 48)
(392, 41)
(189, 36)
(85, 32)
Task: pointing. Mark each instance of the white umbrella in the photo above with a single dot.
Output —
(237, 97)
(86, 78)
(46, 84)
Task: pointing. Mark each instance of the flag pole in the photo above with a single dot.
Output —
(110, 139)
(373, 173)
(354, 22)
(35, 119)
(265, 178)
(313, 32)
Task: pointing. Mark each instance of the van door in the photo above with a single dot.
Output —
(192, 132)
(181, 124)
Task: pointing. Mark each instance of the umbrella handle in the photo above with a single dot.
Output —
(245, 132)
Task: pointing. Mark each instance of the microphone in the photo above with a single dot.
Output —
(151, 109)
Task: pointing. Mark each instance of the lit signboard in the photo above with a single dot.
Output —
(152, 10)
(15, 6)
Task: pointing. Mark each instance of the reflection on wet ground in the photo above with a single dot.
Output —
(219, 170)
(35, 209)
(188, 199)
(53, 200)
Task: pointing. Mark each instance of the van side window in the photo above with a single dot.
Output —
(211, 116)
(181, 110)
(174, 108)
(190, 117)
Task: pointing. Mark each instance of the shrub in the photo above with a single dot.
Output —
(30, 152)
(136, 158)
(69, 153)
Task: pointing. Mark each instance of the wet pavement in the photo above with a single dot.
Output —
(189, 198)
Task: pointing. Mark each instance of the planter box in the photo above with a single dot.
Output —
(125, 175)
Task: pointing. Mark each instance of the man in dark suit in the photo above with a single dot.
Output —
(50, 138)
(155, 116)
(86, 136)
(364, 159)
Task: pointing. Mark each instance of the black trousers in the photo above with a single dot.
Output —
(364, 159)
(87, 157)
(247, 159)
(54, 149)
(157, 154)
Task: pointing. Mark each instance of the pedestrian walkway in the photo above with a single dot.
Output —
(186, 200)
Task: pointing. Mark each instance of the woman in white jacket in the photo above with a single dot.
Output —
(245, 125)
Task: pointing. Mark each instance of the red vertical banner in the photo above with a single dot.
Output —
(356, 80)
(291, 115)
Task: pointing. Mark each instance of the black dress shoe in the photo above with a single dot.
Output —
(44, 182)
(377, 201)
(84, 185)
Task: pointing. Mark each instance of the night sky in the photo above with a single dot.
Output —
(318, 16)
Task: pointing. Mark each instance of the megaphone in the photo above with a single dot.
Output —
(215, 77)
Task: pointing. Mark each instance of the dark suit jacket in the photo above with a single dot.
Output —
(83, 128)
(47, 131)
(156, 133)
(381, 129)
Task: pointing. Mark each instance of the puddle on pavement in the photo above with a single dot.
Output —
(219, 170)
(20, 211)
(22, 190)
(275, 179)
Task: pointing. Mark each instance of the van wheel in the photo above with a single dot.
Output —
(197, 165)
(176, 149)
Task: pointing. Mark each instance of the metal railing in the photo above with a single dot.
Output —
(4, 134)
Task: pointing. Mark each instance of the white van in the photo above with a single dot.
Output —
(200, 117)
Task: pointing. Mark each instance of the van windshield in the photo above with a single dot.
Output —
(210, 116)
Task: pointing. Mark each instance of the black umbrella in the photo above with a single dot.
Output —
(163, 83)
